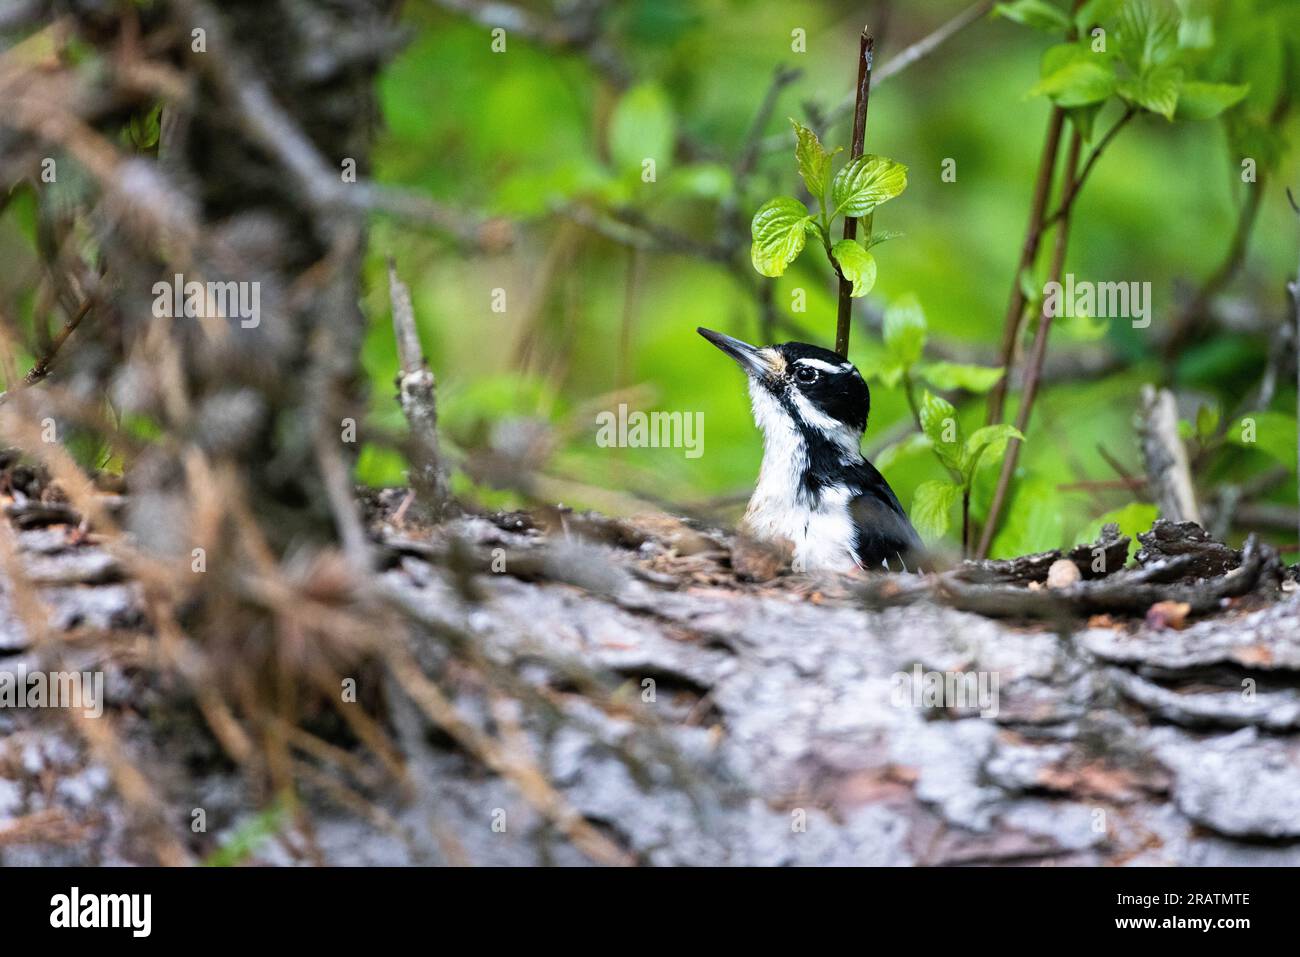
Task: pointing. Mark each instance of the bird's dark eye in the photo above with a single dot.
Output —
(805, 375)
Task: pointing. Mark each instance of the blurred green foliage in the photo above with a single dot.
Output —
(532, 132)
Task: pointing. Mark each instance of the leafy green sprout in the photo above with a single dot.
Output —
(1140, 51)
(902, 362)
(782, 225)
(933, 501)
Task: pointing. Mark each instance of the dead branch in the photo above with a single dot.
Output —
(416, 393)
(1169, 477)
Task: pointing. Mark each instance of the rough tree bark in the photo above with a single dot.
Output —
(776, 722)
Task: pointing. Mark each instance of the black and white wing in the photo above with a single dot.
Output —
(885, 536)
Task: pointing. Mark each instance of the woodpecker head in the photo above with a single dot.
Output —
(798, 385)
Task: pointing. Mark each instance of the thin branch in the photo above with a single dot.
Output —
(1169, 476)
(782, 77)
(1136, 485)
(418, 398)
(41, 368)
(845, 315)
(1294, 289)
(908, 57)
(1068, 198)
(1192, 315)
(921, 49)
(578, 31)
(1028, 254)
(1035, 368)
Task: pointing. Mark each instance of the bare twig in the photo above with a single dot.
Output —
(41, 367)
(1168, 474)
(1034, 372)
(845, 315)
(415, 384)
(1294, 289)
(908, 57)
(1067, 198)
(1028, 254)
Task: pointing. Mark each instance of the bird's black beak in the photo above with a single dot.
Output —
(750, 358)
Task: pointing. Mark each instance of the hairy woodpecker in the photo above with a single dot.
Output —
(815, 488)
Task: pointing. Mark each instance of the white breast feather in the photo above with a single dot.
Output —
(821, 531)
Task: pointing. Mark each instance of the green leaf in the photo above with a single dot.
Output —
(883, 236)
(249, 836)
(866, 182)
(904, 331)
(1038, 14)
(1095, 12)
(1072, 75)
(642, 128)
(939, 422)
(780, 228)
(1083, 327)
(954, 375)
(1131, 519)
(1156, 90)
(931, 505)
(857, 265)
(983, 439)
(1147, 35)
(813, 160)
(1204, 101)
(1273, 433)
(889, 372)
(1207, 420)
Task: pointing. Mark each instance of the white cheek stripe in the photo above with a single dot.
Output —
(825, 366)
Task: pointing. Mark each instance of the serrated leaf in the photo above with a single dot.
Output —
(1094, 12)
(939, 422)
(641, 128)
(1038, 14)
(779, 229)
(904, 331)
(883, 236)
(1204, 101)
(931, 507)
(857, 265)
(1156, 90)
(984, 439)
(1072, 75)
(955, 375)
(866, 182)
(1147, 33)
(813, 161)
